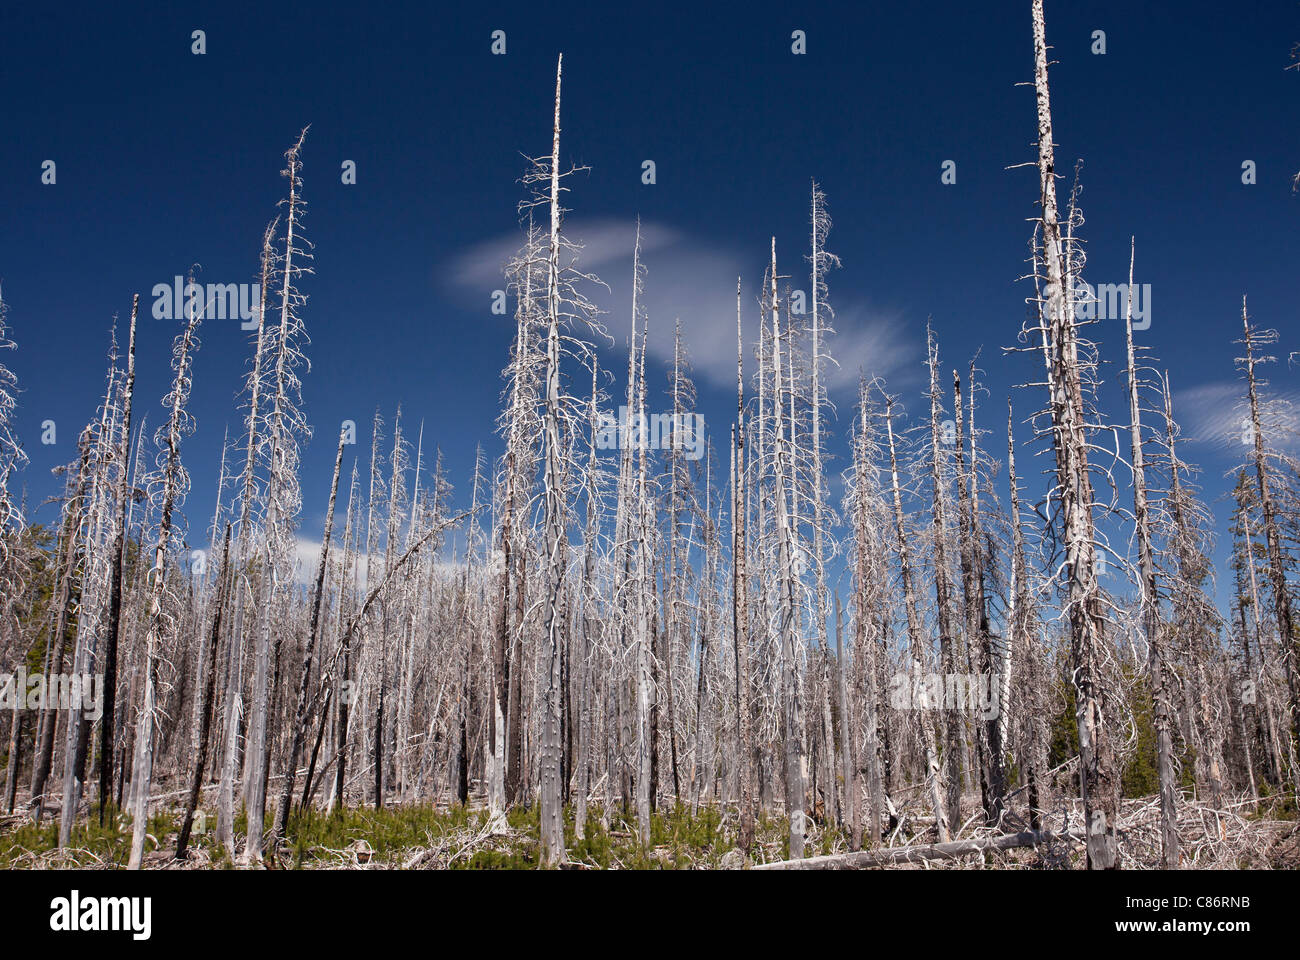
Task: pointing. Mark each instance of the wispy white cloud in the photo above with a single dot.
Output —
(696, 283)
(1217, 414)
(603, 241)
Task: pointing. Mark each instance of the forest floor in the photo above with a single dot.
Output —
(1241, 834)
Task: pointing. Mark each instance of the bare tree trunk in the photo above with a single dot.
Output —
(242, 587)
(792, 707)
(1267, 728)
(1097, 775)
(848, 736)
(175, 484)
(1151, 609)
(644, 616)
(1288, 641)
(205, 721)
(1018, 638)
(739, 600)
(916, 639)
(304, 683)
(552, 824)
(948, 640)
(989, 734)
(14, 759)
(107, 727)
(57, 637)
(821, 262)
(281, 504)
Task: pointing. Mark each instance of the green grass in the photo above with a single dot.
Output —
(315, 839)
(90, 845)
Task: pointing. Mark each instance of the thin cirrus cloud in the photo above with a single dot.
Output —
(696, 284)
(1217, 414)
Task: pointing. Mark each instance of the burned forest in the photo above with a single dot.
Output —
(984, 616)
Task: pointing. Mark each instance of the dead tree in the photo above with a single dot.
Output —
(118, 555)
(561, 417)
(979, 636)
(952, 653)
(1099, 782)
(94, 592)
(12, 586)
(740, 599)
(915, 634)
(205, 718)
(304, 684)
(169, 486)
(1150, 599)
(787, 584)
(821, 262)
(1020, 644)
(284, 424)
(1194, 617)
(242, 587)
(1288, 641)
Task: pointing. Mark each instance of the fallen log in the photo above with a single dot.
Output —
(919, 852)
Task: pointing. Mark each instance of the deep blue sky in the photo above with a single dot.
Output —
(167, 159)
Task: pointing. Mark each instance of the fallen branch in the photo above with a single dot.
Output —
(919, 852)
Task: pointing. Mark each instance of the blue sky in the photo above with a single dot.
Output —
(165, 159)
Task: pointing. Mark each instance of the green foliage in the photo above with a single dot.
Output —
(91, 845)
(315, 839)
(502, 860)
(1064, 733)
(316, 836)
(1141, 775)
